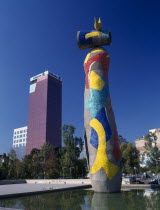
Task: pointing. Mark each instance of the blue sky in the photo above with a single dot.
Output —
(41, 34)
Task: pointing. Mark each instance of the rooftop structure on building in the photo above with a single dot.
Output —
(19, 141)
(45, 111)
(45, 73)
(155, 130)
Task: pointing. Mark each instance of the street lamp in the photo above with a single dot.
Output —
(71, 172)
(63, 171)
(135, 174)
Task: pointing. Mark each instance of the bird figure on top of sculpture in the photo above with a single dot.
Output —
(98, 24)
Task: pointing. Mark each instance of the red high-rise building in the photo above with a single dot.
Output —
(45, 111)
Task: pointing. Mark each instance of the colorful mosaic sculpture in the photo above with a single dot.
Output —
(101, 137)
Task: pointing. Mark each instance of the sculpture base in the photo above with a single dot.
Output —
(104, 187)
(101, 183)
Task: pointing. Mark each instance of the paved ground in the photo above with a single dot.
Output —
(13, 190)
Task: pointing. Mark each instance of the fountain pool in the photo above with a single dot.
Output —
(87, 199)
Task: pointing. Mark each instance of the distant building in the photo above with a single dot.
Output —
(19, 141)
(140, 143)
(45, 111)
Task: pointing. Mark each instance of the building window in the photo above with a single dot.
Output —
(23, 135)
(17, 132)
(20, 136)
(20, 140)
(17, 141)
(14, 133)
(23, 139)
(21, 131)
(15, 137)
(14, 141)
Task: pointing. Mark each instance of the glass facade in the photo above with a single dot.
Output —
(19, 142)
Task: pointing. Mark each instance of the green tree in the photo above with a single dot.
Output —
(4, 167)
(41, 163)
(8, 166)
(49, 161)
(70, 163)
(152, 153)
(12, 164)
(150, 140)
(82, 167)
(153, 163)
(130, 158)
(19, 172)
(31, 166)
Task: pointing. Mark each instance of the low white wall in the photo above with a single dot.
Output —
(58, 181)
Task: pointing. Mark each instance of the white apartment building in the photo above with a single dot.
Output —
(140, 143)
(19, 141)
